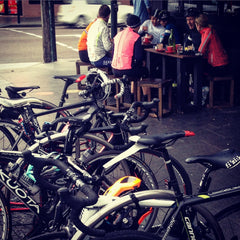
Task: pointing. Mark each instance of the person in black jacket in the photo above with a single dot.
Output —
(192, 37)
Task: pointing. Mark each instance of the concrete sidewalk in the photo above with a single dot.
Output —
(215, 129)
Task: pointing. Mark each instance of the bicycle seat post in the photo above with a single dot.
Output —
(173, 179)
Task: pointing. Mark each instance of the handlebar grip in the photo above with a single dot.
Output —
(137, 130)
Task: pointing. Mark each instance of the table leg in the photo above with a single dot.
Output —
(197, 76)
(181, 86)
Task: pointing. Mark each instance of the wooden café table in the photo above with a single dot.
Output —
(182, 81)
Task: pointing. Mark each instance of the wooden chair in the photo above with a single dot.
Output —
(157, 84)
(227, 80)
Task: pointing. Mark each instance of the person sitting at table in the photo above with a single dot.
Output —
(128, 53)
(168, 23)
(212, 50)
(99, 44)
(192, 37)
(153, 29)
(82, 44)
(211, 47)
(191, 43)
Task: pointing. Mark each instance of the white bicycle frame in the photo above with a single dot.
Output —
(109, 204)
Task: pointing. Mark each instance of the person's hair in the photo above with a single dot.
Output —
(104, 11)
(192, 12)
(202, 20)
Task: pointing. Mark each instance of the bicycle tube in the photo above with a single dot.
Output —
(117, 208)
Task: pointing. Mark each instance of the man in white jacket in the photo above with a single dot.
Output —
(99, 43)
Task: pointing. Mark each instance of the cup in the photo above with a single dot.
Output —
(179, 48)
(170, 49)
(146, 40)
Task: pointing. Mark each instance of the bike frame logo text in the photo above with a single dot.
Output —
(15, 188)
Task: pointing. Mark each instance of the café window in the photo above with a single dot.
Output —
(10, 7)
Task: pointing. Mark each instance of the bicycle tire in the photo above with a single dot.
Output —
(5, 219)
(129, 235)
(19, 140)
(229, 219)
(207, 225)
(6, 139)
(52, 236)
(155, 161)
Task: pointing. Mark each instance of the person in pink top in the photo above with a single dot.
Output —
(211, 47)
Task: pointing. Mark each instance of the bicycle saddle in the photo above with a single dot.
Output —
(18, 89)
(160, 139)
(227, 158)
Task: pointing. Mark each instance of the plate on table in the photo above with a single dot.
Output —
(160, 50)
(168, 51)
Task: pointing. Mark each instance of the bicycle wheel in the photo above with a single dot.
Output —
(156, 163)
(129, 235)
(205, 224)
(6, 139)
(229, 220)
(5, 219)
(200, 223)
(15, 133)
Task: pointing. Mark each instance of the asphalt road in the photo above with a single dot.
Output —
(24, 44)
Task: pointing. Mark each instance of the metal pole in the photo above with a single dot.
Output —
(48, 26)
(114, 10)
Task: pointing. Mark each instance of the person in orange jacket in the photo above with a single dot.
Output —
(211, 47)
(82, 44)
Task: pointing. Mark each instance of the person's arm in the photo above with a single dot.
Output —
(138, 53)
(148, 7)
(107, 43)
(143, 28)
(206, 37)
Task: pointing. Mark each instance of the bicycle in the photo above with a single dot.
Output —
(78, 127)
(179, 213)
(25, 107)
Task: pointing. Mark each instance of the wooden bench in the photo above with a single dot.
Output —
(227, 80)
(159, 84)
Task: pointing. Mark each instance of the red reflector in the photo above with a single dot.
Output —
(189, 134)
(80, 78)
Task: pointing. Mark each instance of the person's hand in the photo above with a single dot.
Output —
(145, 28)
(150, 37)
(160, 46)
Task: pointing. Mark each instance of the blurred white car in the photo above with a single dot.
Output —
(81, 12)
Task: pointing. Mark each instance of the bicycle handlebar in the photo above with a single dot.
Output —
(77, 202)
